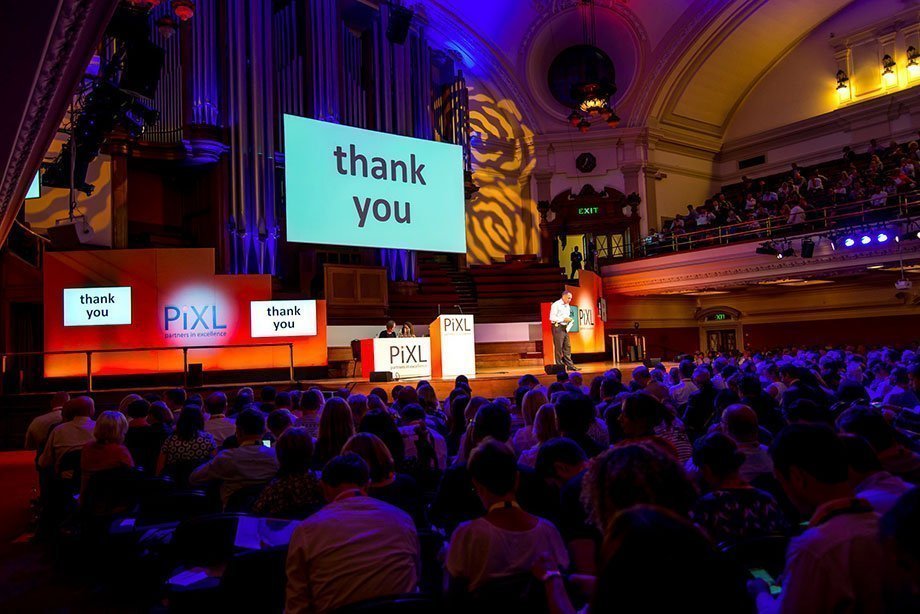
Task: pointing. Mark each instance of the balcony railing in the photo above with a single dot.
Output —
(824, 220)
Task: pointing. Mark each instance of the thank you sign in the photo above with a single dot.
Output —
(97, 306)
(283, 318)
(348, 186)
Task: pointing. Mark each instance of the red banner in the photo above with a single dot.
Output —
(176, 301)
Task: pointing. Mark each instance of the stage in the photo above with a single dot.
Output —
(488, 382)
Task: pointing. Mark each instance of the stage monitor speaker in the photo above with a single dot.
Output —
(381, 376)
(195, 377)
(554, 369)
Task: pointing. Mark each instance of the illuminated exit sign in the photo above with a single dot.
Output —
(588, 210)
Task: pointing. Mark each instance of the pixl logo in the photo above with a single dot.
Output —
(191, 317)
(406, 355)
(585, 318)
(458, 325)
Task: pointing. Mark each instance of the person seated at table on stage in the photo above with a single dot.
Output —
(407, 330)
(390, 332)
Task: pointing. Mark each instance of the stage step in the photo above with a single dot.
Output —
(509, 359)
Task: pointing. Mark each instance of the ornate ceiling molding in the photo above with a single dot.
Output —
(76, 29)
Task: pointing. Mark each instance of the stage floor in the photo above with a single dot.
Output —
(488, 382)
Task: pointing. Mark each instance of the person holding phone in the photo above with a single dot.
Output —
(560, 318)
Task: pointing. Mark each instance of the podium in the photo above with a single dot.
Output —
(453, 346)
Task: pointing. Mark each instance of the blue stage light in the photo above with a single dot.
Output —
(865, 240)
(882, 237)
(849, 242)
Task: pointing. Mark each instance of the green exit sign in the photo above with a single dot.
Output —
(588, 210)
(717, 317)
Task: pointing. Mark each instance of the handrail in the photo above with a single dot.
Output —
(184, 349)
(777, 224)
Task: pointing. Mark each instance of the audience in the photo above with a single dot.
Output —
(189, 445)
(108, 450)
(506, 541)
(218, 424)
(731, 510)
(294, 492)
(249, 464)
(353, 549)
(74, 432)
(40, 427)
(833, 566)
(526, 485)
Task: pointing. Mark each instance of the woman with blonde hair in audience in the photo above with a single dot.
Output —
(544, 428)
(108, 450)
(525, 438)
(336, 425)
(397, 489)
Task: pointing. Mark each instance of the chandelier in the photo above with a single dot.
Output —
(592, 92)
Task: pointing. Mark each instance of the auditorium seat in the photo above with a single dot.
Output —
(411, 603)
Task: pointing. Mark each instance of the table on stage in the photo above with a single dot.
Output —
(404, 357)
(450, 351)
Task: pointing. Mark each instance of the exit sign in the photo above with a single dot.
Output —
(717, 317)
(588, 210)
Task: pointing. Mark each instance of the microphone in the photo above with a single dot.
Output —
(460, 308)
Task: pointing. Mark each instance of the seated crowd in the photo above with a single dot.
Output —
(681, 487)
(791, 201)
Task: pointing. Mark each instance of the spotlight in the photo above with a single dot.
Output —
(865, 239)
(786, 253)
(767, 249)
(849, 242)
(882, 237)
(808, 248)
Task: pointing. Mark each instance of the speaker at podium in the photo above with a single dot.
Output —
(453, 346)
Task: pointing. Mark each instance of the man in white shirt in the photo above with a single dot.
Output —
(796, 215)
(72, 434)
(40, 427)
(834, 565)
(560, 318)
(354, 549)
(249, 464)
(218, 424)
(680, 393)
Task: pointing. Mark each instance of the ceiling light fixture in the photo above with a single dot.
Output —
(913, 63)
(592, 93)
(843, 86)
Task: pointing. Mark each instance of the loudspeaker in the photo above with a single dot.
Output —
(195, 376)
(554, 369)
(381, 376)
(398, 27)
(65, 237)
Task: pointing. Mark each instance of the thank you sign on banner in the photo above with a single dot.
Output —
(283, 318)
(97, 306)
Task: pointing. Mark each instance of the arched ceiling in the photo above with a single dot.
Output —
(697, 59)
